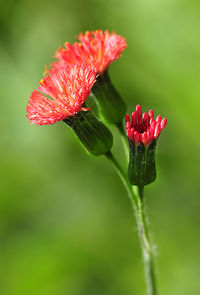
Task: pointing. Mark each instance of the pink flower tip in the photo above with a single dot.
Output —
(144, 128)
(138, 109)
(68, 87)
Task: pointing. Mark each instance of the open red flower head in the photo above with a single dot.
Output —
(68, 87)
(96, 49)
(144, 128)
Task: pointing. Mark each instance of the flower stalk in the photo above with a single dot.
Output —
(145, 242)
(123, 178)
(136, 196)
(120, 128)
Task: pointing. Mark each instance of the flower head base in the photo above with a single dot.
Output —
(92, 133)
(144, 128)
(142, 135)
(111, 106)
(68, 87)
(96, 49)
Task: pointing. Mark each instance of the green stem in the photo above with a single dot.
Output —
(123, 177)
(122, 132)
(145, 243)
(136, 195)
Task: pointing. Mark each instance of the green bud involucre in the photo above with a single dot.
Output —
(142, 167)
(111, 107)
(94, 135)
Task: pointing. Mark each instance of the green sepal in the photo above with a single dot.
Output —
(111, 107)
(94, 135)
(142, 167)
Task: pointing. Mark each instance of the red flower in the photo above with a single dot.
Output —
(144, 128)
(97, 49)
(68, 87)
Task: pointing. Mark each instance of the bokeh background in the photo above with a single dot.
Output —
(66, 224)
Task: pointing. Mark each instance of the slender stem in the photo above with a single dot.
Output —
(124, 178)
(136, 195)
(145, 243)
(122, 132)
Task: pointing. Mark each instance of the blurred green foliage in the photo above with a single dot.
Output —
(66, 225)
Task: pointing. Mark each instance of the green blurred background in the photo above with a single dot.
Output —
(66, 224)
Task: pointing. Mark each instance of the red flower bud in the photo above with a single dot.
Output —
(142, 133)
